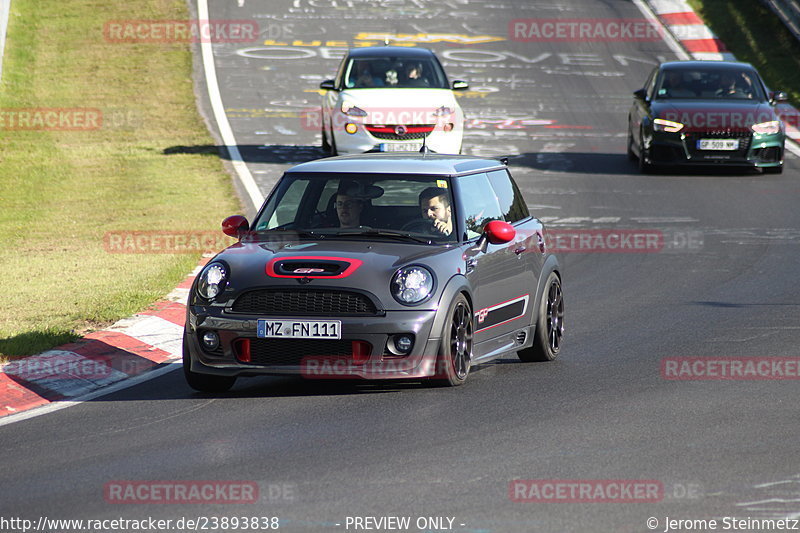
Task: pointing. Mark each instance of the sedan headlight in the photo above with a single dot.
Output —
(768, 128)
(352, 110)
(212, 280)
(669, 126)
(412, 285)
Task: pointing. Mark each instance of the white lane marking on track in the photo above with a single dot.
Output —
(222, 120)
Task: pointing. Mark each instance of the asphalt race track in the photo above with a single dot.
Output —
(723, 285)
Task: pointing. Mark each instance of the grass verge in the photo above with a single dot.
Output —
(62, 192)
(754, 34)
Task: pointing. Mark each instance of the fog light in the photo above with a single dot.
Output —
(449, 126)
(403, 343)
(350, 128)
(210, 341)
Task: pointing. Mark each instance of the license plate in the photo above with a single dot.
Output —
(299, 329)
(718, 144)
(400, 147)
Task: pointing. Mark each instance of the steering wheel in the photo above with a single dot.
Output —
(420, 226)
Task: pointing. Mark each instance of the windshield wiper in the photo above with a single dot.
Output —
(384, 233)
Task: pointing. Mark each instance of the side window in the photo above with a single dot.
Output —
(477, 205)
(512, 204)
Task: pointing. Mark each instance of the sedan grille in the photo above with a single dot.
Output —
(280, 302)
(744, 142)
(291, 352)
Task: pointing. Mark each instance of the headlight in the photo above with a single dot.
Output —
(212, 280)
(771, 127)
(661, 124)
(411, 285)
(443, 111)
(352, 111)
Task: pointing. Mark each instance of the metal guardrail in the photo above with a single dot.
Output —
(789, 13)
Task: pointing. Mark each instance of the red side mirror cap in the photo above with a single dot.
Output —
(499, 232)
(235, 226)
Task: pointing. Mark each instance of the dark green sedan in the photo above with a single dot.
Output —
(706, 113)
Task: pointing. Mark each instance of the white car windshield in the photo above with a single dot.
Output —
(403, 73)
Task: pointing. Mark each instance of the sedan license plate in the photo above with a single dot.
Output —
(718, 144)
(299, 329)
(400, 147)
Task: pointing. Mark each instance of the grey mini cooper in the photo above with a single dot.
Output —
(377, 266)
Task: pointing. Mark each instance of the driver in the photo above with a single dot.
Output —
(348, 209)
(435, 205)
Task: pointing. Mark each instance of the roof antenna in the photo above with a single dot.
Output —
(424, 150)
(386, 41)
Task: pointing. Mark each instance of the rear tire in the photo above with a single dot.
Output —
(549, 324)
(203, 382)
(455, 351)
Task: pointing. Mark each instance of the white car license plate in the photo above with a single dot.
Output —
(299, 329)
(400, 147)
(718, 144)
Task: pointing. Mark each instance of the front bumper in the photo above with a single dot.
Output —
(438, 140)
(755, 150)
(318, 359)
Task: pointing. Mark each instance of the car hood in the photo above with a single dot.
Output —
(705, 115)
(365, 265)
(400, 106)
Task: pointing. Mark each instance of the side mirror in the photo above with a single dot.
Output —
(640, 94)
(328, 85)
(235, 226)
(460, 85)
(778, 96)
(499, 232)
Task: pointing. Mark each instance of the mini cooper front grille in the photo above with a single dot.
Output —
(291, 352)
(281, 302)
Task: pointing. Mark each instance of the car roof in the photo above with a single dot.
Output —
(396, 163)
(390, 51)
(709, 64)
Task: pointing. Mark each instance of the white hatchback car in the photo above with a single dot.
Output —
(391, 99)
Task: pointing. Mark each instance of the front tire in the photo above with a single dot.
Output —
(549, 324)
(203, 382)
(455, 351)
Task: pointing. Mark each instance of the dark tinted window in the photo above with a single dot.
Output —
(710, 83)
(397, 72)
(512, 204)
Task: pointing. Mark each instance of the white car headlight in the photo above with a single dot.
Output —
(212, 280)
(768, 128)
(352, 110)
(669, 126)
(412, 285)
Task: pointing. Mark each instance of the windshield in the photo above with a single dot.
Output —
(396, 72)
(711, 84)
(410, 208)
